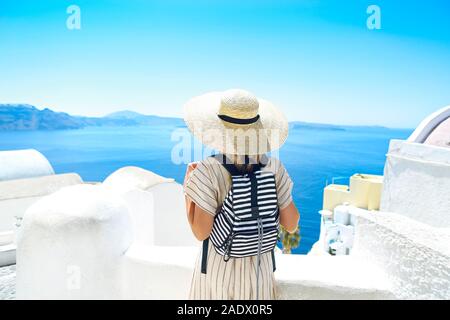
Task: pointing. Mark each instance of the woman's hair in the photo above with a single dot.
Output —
(245, 163)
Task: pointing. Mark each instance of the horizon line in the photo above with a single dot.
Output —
(181, 118)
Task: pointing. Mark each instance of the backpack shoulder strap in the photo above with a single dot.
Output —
(204, 255)
(272, 253)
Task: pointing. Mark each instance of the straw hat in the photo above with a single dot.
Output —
(236, 122)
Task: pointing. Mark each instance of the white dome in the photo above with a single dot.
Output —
(19, 164)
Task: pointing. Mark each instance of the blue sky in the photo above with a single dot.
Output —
(317, 60)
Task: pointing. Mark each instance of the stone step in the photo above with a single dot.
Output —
(7, 254)
(329, 277)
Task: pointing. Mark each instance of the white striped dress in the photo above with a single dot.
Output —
(207, 187)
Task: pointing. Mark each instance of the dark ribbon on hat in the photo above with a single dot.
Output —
(238, 120)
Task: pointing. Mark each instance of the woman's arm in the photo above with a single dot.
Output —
(201, 222)
(289, 217)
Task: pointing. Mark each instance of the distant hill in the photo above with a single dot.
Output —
(24, 117)
(142, 119)
(125, 114)
(17, 117)
(315, 126)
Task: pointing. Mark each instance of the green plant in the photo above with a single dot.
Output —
(288, 240)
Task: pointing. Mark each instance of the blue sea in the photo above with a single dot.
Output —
(312, 155)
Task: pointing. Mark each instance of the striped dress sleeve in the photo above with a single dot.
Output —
(284, 185)
(200, 189)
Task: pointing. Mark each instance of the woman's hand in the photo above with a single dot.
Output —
(289, 217)
(190, 168)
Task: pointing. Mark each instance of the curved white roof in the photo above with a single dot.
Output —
(434, 129)
(19, 164)
(440, 136)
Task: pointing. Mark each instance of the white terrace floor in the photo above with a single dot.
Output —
(7, 282)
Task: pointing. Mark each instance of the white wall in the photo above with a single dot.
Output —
(171, 224)
(416, 182)
(17, 195)
(77, 244)
(92, 228)
(156, 204)
(71, 245)
(158, 272)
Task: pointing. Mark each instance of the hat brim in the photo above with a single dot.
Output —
(267, 134)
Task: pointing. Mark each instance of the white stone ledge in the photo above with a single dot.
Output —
(413, 151)
(36, 186)
(437, 239)
(16, 196)
(160, 272)
(414, 256)
(329, 277)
